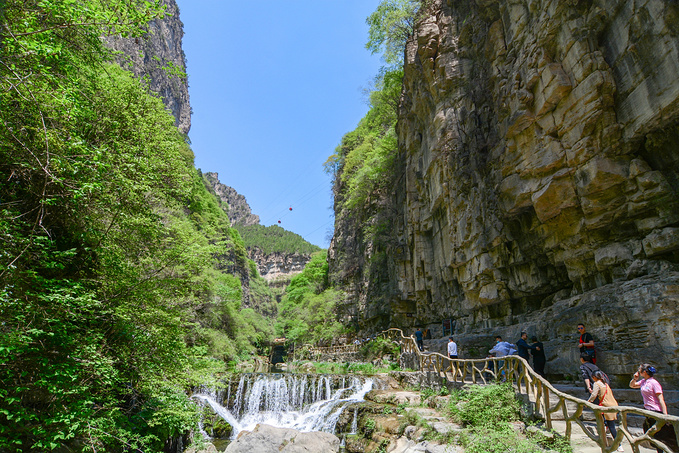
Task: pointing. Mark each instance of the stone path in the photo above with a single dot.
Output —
(580, 442)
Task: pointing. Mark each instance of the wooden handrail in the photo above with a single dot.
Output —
(477, 370)
(335, 349)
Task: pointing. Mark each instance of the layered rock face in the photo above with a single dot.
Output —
(539, 184)
(159, 56)
(239, 210)
(277, 266)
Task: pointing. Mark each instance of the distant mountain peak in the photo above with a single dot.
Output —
(239, 210)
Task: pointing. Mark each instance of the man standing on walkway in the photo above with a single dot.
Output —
(539, 358)
(418, 339)
(523, 346)
(452, 348)
(586, 342)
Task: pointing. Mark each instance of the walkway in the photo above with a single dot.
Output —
(559, 410)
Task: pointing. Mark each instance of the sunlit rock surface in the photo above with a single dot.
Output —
(539, 181)
(268, 439)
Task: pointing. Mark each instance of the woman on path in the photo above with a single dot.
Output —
(603, 391)
(652, 394)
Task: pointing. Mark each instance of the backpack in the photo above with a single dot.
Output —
(592, 368)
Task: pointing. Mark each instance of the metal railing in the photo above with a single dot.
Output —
(539, 391)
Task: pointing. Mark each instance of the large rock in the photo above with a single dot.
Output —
(269, 439)
(538, 182)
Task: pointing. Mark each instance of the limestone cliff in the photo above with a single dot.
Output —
(538, 181)
(276, 267)
(238, 208)
(159, 56)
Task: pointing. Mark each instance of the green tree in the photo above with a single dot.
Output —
(111, 248)
(390, 27)
(308, 311)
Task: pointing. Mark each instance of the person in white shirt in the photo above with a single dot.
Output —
(452, 348)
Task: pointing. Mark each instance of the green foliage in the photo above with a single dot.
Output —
(115, 283)
(485, 405)
(379, 347)
(365, 158)
(499, 439)
(271, 239)
(390, 27)
(307, 313)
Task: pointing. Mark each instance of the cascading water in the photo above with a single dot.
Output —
(302, 402)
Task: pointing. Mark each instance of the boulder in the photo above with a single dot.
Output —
(269, 439)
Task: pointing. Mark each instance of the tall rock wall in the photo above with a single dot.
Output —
(539, 178)
(158, 55)
(239, 210)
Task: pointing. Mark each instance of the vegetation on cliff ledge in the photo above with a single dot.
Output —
(273, 239)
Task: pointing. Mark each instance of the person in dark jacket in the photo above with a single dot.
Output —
(539, 358)
(587, 368)
(418, 339)
(523, 346)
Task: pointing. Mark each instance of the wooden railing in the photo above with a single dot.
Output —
(539, 390)
(335, 349)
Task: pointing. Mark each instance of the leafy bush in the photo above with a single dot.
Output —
(307, 313)
(501, 438)
(379, 347)
(485, 405)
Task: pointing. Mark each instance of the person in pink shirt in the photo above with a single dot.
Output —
(652, 394)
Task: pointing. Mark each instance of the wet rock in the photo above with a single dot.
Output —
(268, 439)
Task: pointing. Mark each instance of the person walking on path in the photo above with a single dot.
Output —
(586, 342)
(539, 358)
(652, 394)
(418, 339)
(452, 348)
(587, 368)
(502, 349)
(602, 391)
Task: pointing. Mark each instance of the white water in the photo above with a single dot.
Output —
(302, 402)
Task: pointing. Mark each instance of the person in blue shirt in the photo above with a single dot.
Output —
(501, 349)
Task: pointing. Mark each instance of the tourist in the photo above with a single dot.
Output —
(586, 342)
(587, 368)
(652, 394)
(539, 358)
(452, 348)
(523, 346)
(602, 391)
(418, 339)
(501, 349)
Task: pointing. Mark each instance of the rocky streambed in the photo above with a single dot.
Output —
(394, 417)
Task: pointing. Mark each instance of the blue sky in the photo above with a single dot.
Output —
(274, 85)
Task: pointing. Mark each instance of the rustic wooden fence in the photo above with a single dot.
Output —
(539, 391)
(335, 349)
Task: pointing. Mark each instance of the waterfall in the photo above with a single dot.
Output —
(354, 422)
(302, 402)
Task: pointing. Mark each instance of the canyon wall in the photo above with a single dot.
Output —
(158, 56)
(238, 209)
(538, 181)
